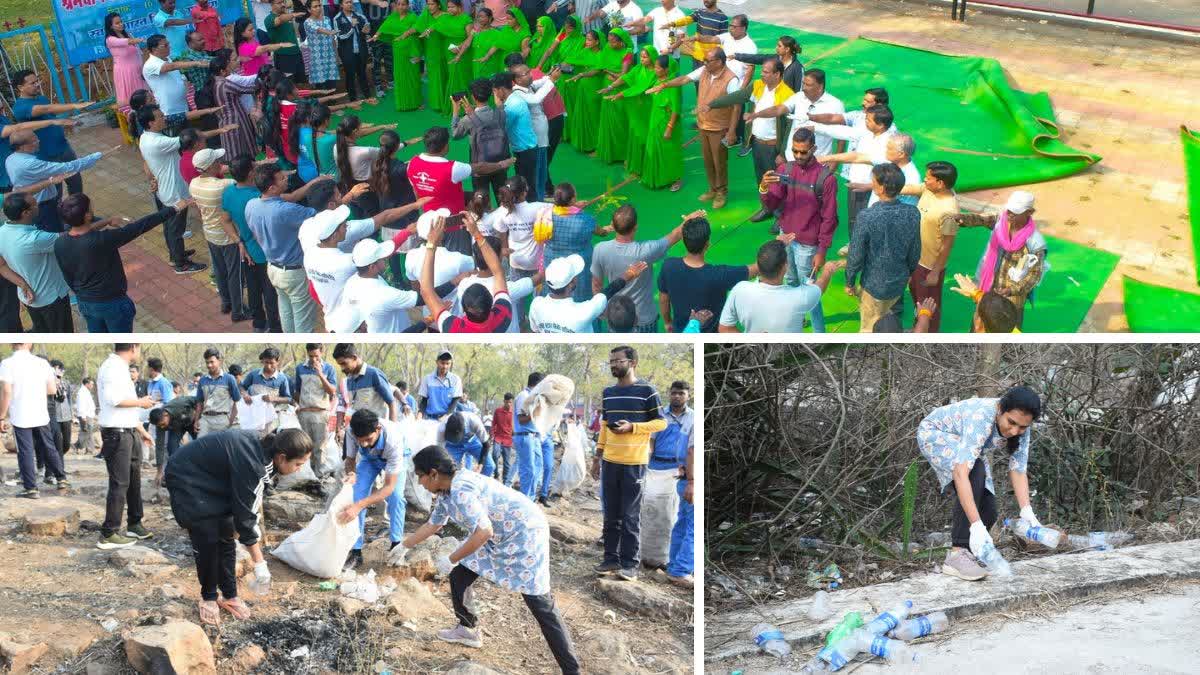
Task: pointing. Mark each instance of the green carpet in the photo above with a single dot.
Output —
(1158, 309)
(958, 109)
(1191, 164)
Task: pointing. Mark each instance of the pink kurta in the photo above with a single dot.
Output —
(127, 68)
(250, 62)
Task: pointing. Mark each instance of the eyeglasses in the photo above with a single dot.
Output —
(613, 362)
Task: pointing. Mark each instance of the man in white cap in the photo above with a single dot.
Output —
(225, 245)
(328, 238)
(449, 265)
(1014, 261)
(518, 289)
(483, 311)
(559, 312)
(367, 297)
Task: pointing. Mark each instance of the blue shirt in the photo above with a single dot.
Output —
(25, 169)
(519, 124)
(218, 393)
(306, 168)
(176, 35)
(30, 252)
(276, 225)
(256, 384)
(315, 396)
(234, 201)
(5, 151)
(439, 392)
(163, 387)
(54, 141)
(671, 444)
(369, 389)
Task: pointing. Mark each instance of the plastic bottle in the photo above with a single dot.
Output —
(820, 609)
(770, 640)
(816, 665)
(328, 586)
(1042, 535)
(895, 652)
(995, 562)
(888, 620)
(849, 623)
(1101, 541)
(846, 649)
(921, 626)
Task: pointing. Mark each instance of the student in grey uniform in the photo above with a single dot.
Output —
(270, 385)
(314, 387)
(217, 392)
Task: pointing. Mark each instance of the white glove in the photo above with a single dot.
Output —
(396, 557)
(444, 565)
(262, 579)
(1027, 515)
(979, 538)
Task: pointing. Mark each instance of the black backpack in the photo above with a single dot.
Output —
(814, 188)
(489, 142)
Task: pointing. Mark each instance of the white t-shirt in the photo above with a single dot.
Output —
(733, 46)
(361, 159)
(85, 405)
(382, 306)
(518, 289)
(800, 108)
(911, 176)
(863, 141)
(734, 84)
(329, 268)
(630, 11)
(161, 154)
(764, 308)
(663, 18)
(458, 173)
(113, 386)
(447, 265)
(28, 375)
(170, 88)
(564, 315)
(765, 128)
(393, 452)
(526, 252)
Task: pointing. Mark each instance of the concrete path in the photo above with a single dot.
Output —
(1060, 576)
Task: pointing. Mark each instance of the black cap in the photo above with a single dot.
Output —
(445, 356)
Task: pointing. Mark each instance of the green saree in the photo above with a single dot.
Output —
(567, 49)
(584, 109)
(663, 164)
(481, 45)
(435, 63)
(406, 73)
(612, 142)
(637, 109)
(453, 30)
(539, 45)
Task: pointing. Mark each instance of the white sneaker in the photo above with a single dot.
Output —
(462, 635)
(844, 251)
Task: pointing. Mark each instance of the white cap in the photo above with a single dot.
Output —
(1019, 202)
(369, 252)
(561, 271)
(425, 222)
(328, 221)
(204, 159)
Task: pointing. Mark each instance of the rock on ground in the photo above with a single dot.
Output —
(412, 601)
(570, 532)
(609, 652)
(176, 647)
(642, 599)
(137, 555)
(18, 656)
(52, 522)
(246, 658)
(471, 668)
(350, 606)
(291, 508)
(68, 644)
(375, 554)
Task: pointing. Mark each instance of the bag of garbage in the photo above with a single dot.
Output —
(256, 415)
(320, 549)
(288, 419)
(418, 434)
(296, 479)
(660, 506)
(331, 457)
(362, 587)
(571, 470)
(546, 402)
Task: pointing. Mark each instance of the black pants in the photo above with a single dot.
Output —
(356, 74)
(65, 435)
(542, 607)
(764, 155)
(227, 266)
(856, 202)
(263, 298)
(527, 167)
(556, 132)
(492, 181)
(215, 552)
(53, 318)
(985, 503)
(292, 64)
(123, 457)
(35, 447)
(621, 487)
(173, 234)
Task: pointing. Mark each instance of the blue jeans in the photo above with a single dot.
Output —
(467, 456)
(547, 465)
(799, 266)
(506, 463)
(622, 501)
(542, 173)
(529, 462)
(112, 316)
(365, 472)
(682, 556)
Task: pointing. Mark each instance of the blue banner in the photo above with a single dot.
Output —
(81, 22)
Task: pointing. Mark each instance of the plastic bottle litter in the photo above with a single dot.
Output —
(995, 562)
(889, 619)
(920, 626)
(1101, 541)
(820, 609)
(1042, 535)
(849, 623)
(770, 640)
(829, 579)
(816, 665)
(809, 542)
(328, 586)
(895, 652)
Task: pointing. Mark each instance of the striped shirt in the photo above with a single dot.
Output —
(208, 193)
(710, 23)
(638, 404)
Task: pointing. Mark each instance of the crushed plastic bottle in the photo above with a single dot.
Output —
(846, 649)
(996, 564)
(327, 586)
(888, 620)
(816, 665)
(895, 652)
(820, 610)
(1101, 541)
(1042, 535)
(849, 623)
(770, 640)
(809, 542)
(829, 579)
(920, 626)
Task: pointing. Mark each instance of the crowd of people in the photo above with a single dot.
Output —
(490, 473)
(307, 225)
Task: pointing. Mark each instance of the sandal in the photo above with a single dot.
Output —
(676, 186)
(210, 614)
(236, 607)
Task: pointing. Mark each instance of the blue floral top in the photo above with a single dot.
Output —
(960, 433)
(517, 557)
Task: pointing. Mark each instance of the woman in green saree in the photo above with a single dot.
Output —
(452, 26)
(543, 37)
(398, 30)
(637, 106)
(514, 38)
(563, 48)
(481, 41)
(663, 165)
(435, 57)
(583, 112)
(612, 142)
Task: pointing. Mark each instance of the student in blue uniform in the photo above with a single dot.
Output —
(441, 390)
(375, 445)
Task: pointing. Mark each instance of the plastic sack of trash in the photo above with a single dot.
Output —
(418, 434)
(362, 587)
(296, 479)
(660, 506)
(320, 549)
(331, 457)
(571, 471)
(288, 419)
(256, 415)
(547, 401)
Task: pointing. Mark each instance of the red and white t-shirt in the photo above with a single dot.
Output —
(497, 321)
(441, 179)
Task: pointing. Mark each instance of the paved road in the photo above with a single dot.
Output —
(1179, 12)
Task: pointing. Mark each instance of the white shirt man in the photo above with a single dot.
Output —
(731, 45)
(329, 268)
(114, 385)
(866, 141)
(662, 19)
(372, 299)
(27, 380)
(85, 404)
(564, 315)
(765, 128)
(800, 108)
(630, 11)
(170, 88)
(161, 154)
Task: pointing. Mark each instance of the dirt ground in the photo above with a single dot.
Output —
(60, 590)
(1138, 630)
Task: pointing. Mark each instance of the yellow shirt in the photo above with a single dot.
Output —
(632, 448)
(933, 208)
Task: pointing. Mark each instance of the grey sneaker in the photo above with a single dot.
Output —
(31, 493)
(962, 564)
(606, 567)
(462, 635)
(630, 574)
(114, 540)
